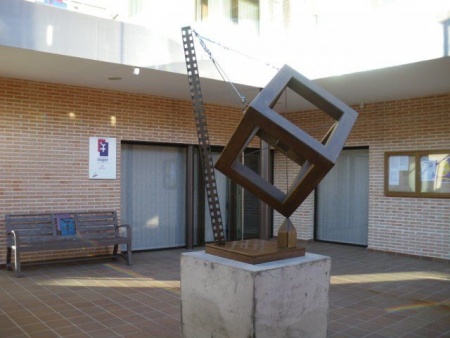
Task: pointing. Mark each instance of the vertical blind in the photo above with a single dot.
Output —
(153, 182)
(343, 200)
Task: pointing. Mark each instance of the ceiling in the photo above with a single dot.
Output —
(400, 82)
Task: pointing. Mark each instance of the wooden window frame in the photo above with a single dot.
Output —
(417, 155)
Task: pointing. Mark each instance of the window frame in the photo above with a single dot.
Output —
(418, 154)
(203, 13)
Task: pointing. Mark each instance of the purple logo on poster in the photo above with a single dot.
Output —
(102, 147)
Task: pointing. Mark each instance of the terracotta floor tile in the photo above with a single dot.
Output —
(137, 334)
(11, 331)
(27, 319)
(35, 327)
(104, 333)
(58, 323)
(372, 295)
(67, 330)
(126, 329)
(45, 334)
(355, 332)
(84, 319)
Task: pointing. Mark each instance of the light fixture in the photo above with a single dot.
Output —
(136, 70)
(49, 36)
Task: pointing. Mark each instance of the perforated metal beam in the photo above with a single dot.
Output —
(202, 134)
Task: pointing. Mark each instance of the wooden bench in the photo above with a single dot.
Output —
(56, 231)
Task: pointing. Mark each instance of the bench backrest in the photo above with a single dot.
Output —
(31, 227)
(96, 224)
(43, 227)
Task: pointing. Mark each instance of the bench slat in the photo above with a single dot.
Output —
(98, 220)
(61, 245)
(95, 228)
(16, 218)
(30, 227)
(14, 222)
(97, 215)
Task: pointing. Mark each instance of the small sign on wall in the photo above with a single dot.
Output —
(102, 158)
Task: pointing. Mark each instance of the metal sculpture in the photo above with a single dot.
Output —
(315, 158)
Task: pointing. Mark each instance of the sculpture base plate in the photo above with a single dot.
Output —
(254, 251)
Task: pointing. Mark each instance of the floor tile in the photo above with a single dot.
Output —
(372, 295)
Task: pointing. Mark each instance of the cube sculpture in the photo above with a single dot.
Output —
(315, 158)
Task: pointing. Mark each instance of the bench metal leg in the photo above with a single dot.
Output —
(8, 259)
(116, 249)
(17, 262)
(129, 258)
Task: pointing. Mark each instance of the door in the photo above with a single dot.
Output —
(343, 200)
(239, 208)
(153, 180)
(251, 209)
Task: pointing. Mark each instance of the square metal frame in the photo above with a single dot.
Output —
(315, 158)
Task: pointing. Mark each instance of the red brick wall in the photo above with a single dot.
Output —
(44, 154)
(44, 137)
(412, 226)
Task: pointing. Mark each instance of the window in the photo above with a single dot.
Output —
(243, 13)
(446, 25)
(417, 174)
(135, 7)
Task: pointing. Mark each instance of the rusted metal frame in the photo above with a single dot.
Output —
(265, 211)
(315, 157)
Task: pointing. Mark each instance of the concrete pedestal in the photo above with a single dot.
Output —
(225, 298)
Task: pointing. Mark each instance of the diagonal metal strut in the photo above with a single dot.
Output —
(202, 133)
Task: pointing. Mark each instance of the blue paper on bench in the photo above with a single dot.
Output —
(65, 224)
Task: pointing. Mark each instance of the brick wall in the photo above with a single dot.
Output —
(44, 137)
(411, 226)
(45, 130)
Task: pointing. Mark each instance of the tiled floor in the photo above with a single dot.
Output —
(371, 295)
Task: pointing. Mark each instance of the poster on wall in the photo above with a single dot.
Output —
(102, 158)
(445, 170)
(394, 170)
(428, 170)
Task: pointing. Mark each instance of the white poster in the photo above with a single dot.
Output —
(102, 158)
(428, 170)
(394, 170)
(403, 163)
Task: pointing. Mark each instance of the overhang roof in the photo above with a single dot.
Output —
(423, 78)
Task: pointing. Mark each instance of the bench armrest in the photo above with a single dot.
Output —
(128, 229)
(15, 236)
